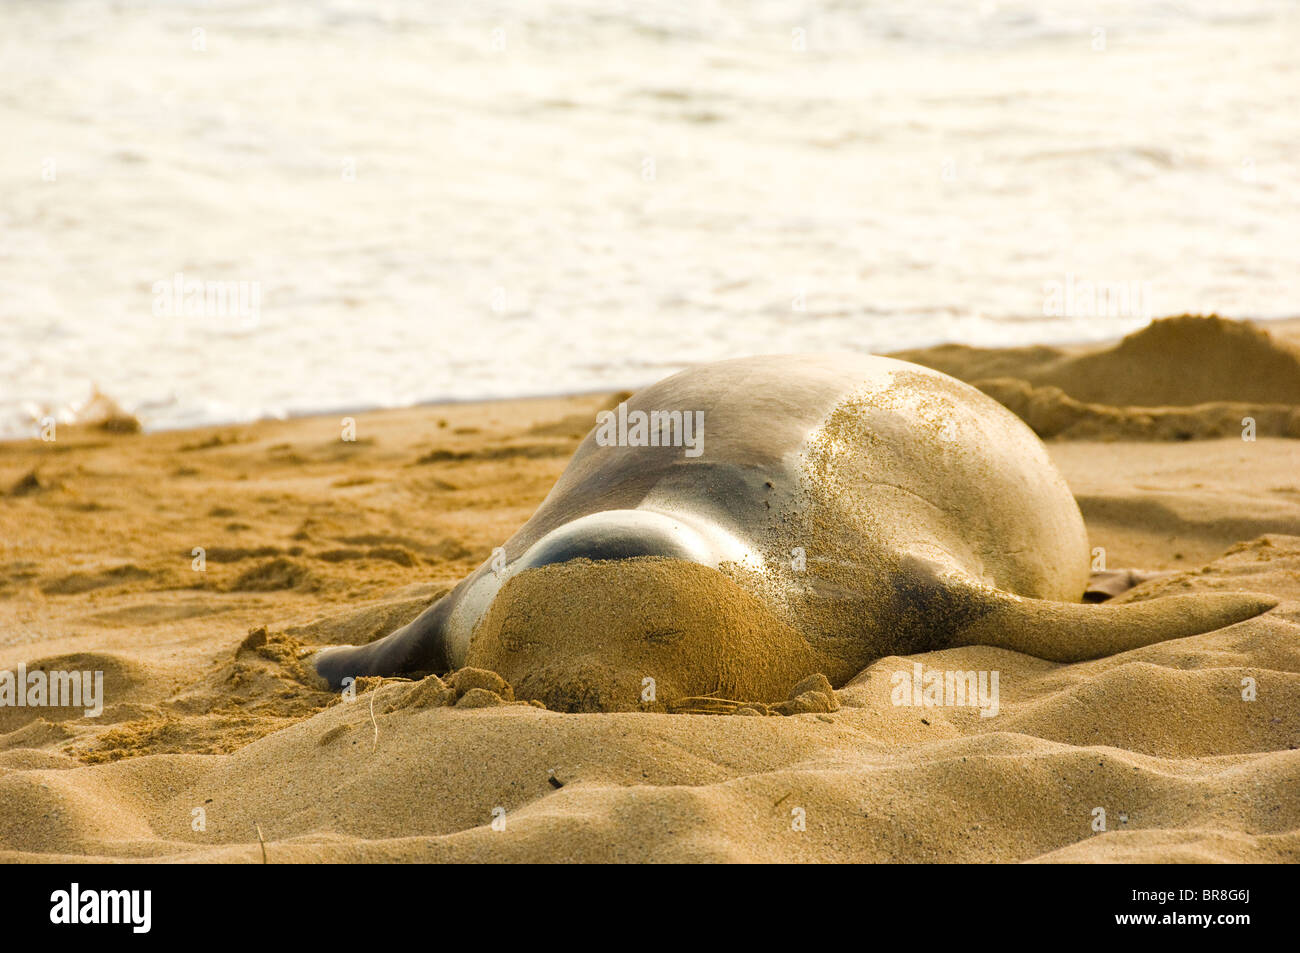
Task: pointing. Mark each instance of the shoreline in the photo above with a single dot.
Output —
(1286, 328)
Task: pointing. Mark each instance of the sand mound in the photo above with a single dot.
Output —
(121, 677)
(79, 582)
(1183, 361)
(272, 574)
(394, 554)
(103, 413)
(29, 483)
(1214, 371)
(1050, 412)
(266, 685)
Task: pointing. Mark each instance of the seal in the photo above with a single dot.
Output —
(825, 510)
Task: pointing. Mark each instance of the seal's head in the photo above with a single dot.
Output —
(634, 635)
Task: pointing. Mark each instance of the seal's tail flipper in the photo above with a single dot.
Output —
(1068, 632)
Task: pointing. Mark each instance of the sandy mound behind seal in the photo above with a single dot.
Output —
(1176, 379)
(1183, 361)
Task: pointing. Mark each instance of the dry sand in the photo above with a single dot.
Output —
(211, 714)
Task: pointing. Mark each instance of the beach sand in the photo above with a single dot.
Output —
(218, 743)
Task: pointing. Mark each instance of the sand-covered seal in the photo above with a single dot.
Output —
(823, 511)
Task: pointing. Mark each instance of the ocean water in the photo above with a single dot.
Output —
(432, 200)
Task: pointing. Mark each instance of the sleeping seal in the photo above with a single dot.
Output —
(839, 508)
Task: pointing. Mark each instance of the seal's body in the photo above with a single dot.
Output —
(827, 510)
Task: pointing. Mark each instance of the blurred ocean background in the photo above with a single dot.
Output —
(454, 200)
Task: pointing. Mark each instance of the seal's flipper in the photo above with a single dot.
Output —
(417, 646)
(1069, 632)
